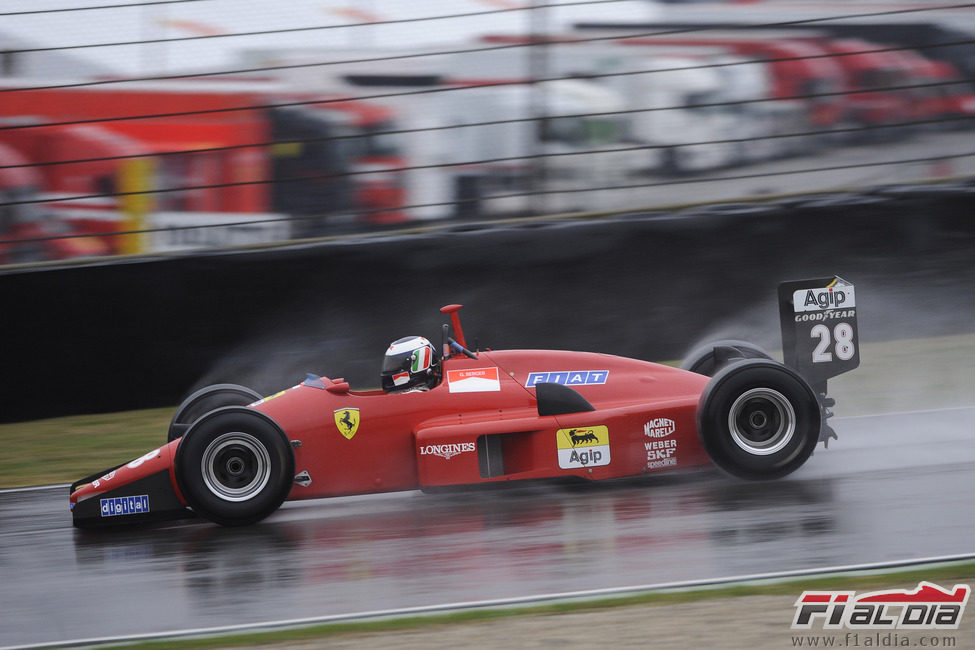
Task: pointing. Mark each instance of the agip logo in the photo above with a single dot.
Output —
(581, 447)
(838, 294)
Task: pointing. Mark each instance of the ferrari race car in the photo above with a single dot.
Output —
(491, 416)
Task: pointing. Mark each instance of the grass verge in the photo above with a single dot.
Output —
(62, 450)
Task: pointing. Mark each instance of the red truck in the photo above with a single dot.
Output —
(236, 147)
(29, 230)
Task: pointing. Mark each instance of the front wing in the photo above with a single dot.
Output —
(140, 491)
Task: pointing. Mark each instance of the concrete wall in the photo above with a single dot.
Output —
(138, 333)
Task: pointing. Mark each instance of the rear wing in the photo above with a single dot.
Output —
(820, 337)
(819, 328)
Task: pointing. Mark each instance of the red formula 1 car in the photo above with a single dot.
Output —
(461, 417)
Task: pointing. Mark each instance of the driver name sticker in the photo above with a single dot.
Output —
(474, 380)
(581, 447)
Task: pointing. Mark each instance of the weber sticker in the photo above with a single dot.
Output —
(581, 447)
(661, 453)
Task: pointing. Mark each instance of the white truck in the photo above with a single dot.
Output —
(483, 145)
(676, 105)
(476, 150)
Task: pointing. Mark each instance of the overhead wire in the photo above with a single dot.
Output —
(393, 56)
(130, 5)
(863, 128)
(312, 28)
(329, 97)
(504, 160)
(482, 13)
(463, 125)
(656, 184)
(958, 120)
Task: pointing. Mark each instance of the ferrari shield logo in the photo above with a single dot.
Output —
(347, 421)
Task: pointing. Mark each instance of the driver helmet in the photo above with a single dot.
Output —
(410, 363)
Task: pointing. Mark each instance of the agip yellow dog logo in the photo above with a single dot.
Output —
(583, 447)
(347, 421)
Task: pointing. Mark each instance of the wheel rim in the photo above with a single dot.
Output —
(762, 421)
(236, 466)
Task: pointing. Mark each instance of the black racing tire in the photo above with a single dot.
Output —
(758, 419)
(708, 359)
(234, 466)
(205, 400)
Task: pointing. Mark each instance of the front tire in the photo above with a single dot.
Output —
(758, 419)
(234, 466)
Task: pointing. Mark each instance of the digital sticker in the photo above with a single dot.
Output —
(120, 506)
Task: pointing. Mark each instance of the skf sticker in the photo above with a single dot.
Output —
(661, 453)
(347, 421)
(583, 447)
(568, 378)
(474, 380)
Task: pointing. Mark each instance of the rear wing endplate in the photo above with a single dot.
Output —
(819, 328)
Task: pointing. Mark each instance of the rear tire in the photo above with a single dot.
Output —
(205, 400)
(710, 358)
(234, 466)
(758, 420)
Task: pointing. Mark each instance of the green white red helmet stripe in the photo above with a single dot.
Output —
(422, 358)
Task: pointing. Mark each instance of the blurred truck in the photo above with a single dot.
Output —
(696, 107)
(478, 148)
(479, 142)
(236, 148)
(29, 230)
(863, 45)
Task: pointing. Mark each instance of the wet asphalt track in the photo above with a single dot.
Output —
(893, 487)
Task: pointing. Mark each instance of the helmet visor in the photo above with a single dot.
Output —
(397, 362)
